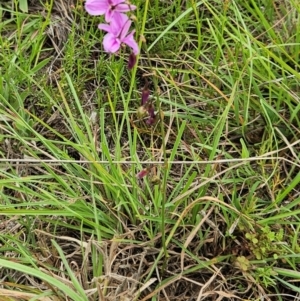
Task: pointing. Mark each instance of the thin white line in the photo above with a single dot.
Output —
(263, 157)
(25, 161)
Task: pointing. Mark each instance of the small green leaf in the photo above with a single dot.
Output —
(245, 152)
(23, 5)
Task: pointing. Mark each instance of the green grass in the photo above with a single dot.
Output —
(217, 214)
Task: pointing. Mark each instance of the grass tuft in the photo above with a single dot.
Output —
(200, 204)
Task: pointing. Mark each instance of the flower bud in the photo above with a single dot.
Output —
(145, 95)
(131, 61)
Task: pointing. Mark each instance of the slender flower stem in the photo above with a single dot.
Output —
(165, 173)
(140, 33)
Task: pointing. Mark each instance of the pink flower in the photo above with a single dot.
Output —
(117, 34)
(107, 8)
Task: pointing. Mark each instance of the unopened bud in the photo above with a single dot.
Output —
(142, 173)
(145, 96)
(131, 61)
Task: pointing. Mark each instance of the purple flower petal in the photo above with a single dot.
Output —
(125, 29)
(105, 27)
(111, 43)
(119, 19)
(108, 15)
(122, 8)
(107, 8)
(130, 41)
(96, 7)
(116, 2)
(117, 23)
